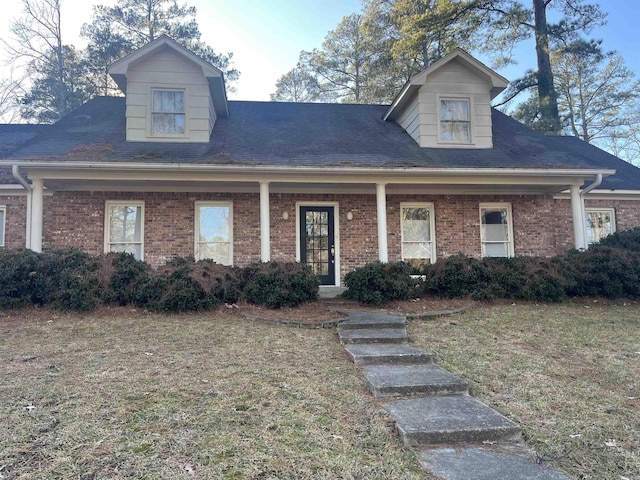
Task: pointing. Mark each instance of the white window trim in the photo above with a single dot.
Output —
(3, 209)
(168, 88)
(196, 230)
(432, 226)
(610, 210)
(118, 203)
(498, 205)
(439, 99)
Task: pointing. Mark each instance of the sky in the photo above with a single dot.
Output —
(266, 36)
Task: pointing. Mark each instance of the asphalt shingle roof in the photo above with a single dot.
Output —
(291, 134)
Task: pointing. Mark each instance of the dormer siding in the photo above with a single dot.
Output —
(448, 105)
(168, 70)
(454, 80)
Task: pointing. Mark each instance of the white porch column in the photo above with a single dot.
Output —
(37, 215)
(265, 227)
(577, 214)
(381, 203)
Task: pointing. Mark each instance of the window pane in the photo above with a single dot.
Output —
(454, 120)
(218, 252)
(454, 110)
(167, 101)
(495, 225)
(415, 224)
(157, 101)
(214, 223)
(125, 224)
(599, 225)
(416, 250)
(496, 250)
(455, 131)
(214, 233)
(2, 218)
(168, 123)
(133, 248)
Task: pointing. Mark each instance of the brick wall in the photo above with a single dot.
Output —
(15, 223)
(542, 225)
(77, 219)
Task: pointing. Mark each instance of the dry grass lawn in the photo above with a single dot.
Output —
(569, 374)
(123, 394)
(128, 395)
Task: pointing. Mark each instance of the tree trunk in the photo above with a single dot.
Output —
(550, 119)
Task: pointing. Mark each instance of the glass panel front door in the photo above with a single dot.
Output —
(317, 243)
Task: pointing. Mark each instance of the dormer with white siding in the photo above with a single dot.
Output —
(448, 105)
(172, 95)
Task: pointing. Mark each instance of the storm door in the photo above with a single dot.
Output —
(317, 242)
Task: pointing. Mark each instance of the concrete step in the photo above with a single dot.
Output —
(449, 419)
(507, 462)
(384, 335)
(405, 380)
(389, 354)
(375, 320)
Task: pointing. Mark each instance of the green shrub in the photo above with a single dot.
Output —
(626, 239)
(519, 278)
(279, 284)
(72, 281)
(377, 283)
(604, 271)
(121, 277)
(457, 276)
(21, 278)
(182, 287)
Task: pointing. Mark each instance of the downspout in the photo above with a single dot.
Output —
(596, 183)
(15, 170)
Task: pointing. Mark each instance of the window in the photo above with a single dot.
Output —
(455, 120)
(214, 232)
(167, 112)
(600, 223)
(418, 233)
(495, 230)
(124, 228)
(3, 214)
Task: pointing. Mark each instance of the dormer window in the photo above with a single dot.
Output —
(167, 112)
(455, 120)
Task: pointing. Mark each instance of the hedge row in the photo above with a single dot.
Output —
(609, 269)
(73, 280)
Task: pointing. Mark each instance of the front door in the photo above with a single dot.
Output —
(317, 242)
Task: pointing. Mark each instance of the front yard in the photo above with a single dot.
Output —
(124, 394)
(569, 374)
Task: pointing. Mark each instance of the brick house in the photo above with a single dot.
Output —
(174, 168)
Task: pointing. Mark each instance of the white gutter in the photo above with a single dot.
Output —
(122, 166)
(596, 183)
(15, 170)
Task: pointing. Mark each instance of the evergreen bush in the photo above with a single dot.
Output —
(22, 281)
(72, 280)
(279, 284)
(377, 283)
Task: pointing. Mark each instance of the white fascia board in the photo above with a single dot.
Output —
(12, 189)
(605, 195)
(275, 173)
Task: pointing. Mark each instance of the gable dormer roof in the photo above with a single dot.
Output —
(119, 69)
(498, 82)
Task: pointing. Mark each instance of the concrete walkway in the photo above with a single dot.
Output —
(457, 437)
